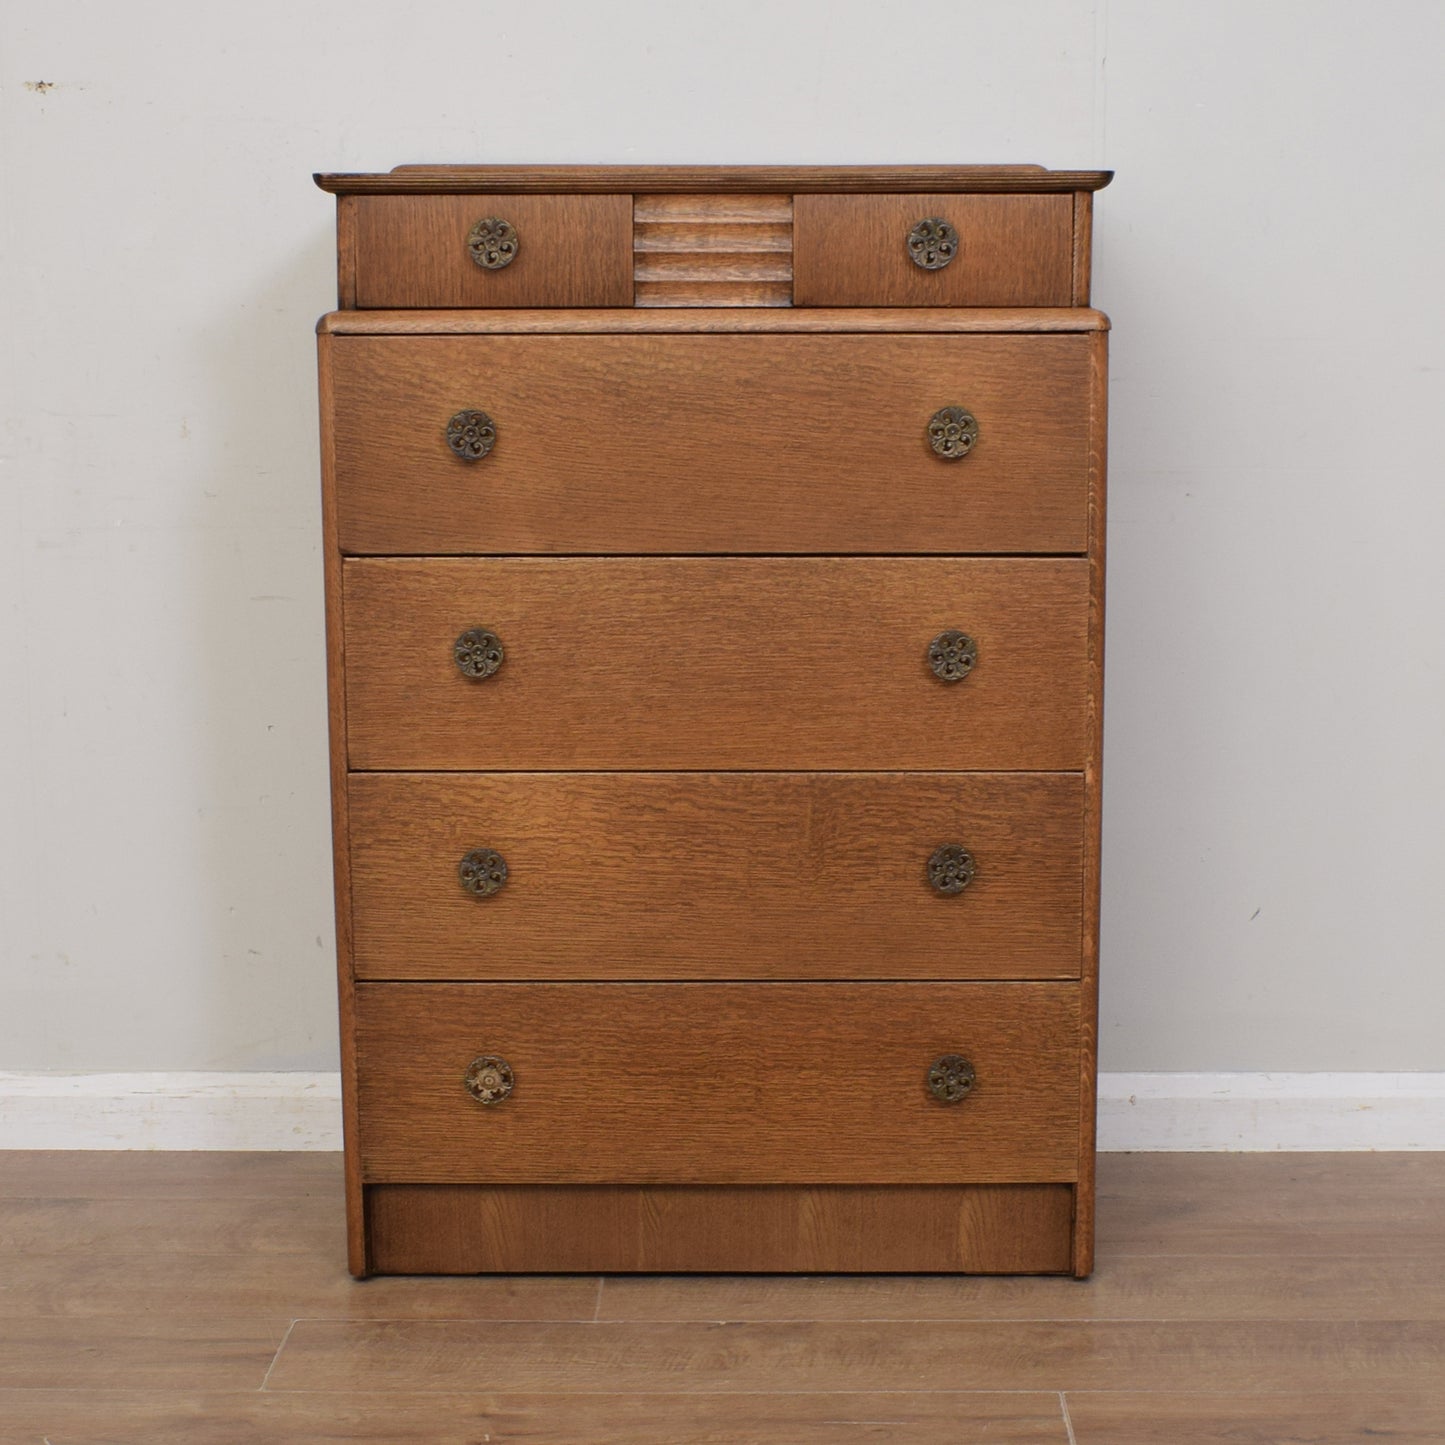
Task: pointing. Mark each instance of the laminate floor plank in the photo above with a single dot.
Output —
(861, 1355)
(246, 1226)
(199, 1352)
(168, 1174)
(1131, 1287)
(1317, 1419)
(934, 1418)
(159, 1283)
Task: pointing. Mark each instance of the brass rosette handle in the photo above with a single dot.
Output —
(951, 1078)
(952, 655)
(482, 872)
(478, 653)
(951, 869)
(493, 243)
(952, 432)
(471, 434)
(932, 244)
(488, 1079)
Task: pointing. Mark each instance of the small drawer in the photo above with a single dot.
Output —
(718, 1083)
(486, 251)
(991, 250)
(659, 663)
(511, 876)
(727, 443)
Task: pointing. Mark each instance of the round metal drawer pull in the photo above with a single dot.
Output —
(952, 432)
(950, 1078)
(488, 1079)
(952, 656)
(478, 653)
(482, 872)
(471, 435)
(932, 243)
(493, 243)
(951, 869)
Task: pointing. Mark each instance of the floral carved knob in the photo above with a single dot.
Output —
(471, 435)
(950, 1078)
(932, 244)
(493, 243)
(952, 656)
(951, 869)
(478, 653)
(952, 432)
(482, 872)
(488, 1079)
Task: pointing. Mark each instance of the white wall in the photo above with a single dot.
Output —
(1270, 254)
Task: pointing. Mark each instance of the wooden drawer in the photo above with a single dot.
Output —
(714, 663)
(571, 251)
(1011, 250)
(724, 875)
(716, 443)
(718, 1083)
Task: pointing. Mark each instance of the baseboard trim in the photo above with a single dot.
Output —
(1187, 1112)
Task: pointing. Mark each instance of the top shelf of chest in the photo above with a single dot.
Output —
(488, 237)
(422, 180)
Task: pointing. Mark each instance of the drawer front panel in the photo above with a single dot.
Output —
(1010, 251)
(667, 663)
(738, 443)
(570, 251)
(732, 875)
(718, 1083)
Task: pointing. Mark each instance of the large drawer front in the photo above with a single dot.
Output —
(718, 1083)
(720, 443)
(763, 662)
(724, 875)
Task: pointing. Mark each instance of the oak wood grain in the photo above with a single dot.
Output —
(1013, 250)
(724, 443)
(860, 320)
(727, 875)
(463, 179)
(573, 251)
(690, 1083)
(1083, 246)
(1228, 1358)
(712, 250)
(844, 1417)
(717, 663)
(465, 1229)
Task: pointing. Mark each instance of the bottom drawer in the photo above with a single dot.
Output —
(734, 1083)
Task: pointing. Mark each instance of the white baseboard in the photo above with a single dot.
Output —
(1245, 1112)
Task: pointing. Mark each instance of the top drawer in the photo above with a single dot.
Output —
(991, 250)
(449, 251)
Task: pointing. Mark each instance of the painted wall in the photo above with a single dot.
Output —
(1270, 254)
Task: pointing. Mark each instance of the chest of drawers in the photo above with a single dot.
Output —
(714, 576)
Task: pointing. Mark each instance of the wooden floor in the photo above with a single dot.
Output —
(1248, 1299)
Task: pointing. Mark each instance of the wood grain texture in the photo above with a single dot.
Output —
(763, 662)
(718, 1083)
(845, 1417)
(1412, 1417)
(712, 250)
(1233, 1358)
(433, 179)
(573, 251)
(1012, 251)
(1083, 246)
(1093, 806)
(340, 828)
(470, 1229)
(711, 444)
(724, 875)
(861, 320)
(346, 251)
(146, 1174)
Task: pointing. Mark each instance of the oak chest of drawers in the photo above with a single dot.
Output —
(714, 569)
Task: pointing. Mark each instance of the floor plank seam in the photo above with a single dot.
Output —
(1068, 1421)
(266, 1378)
(597, 1306)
